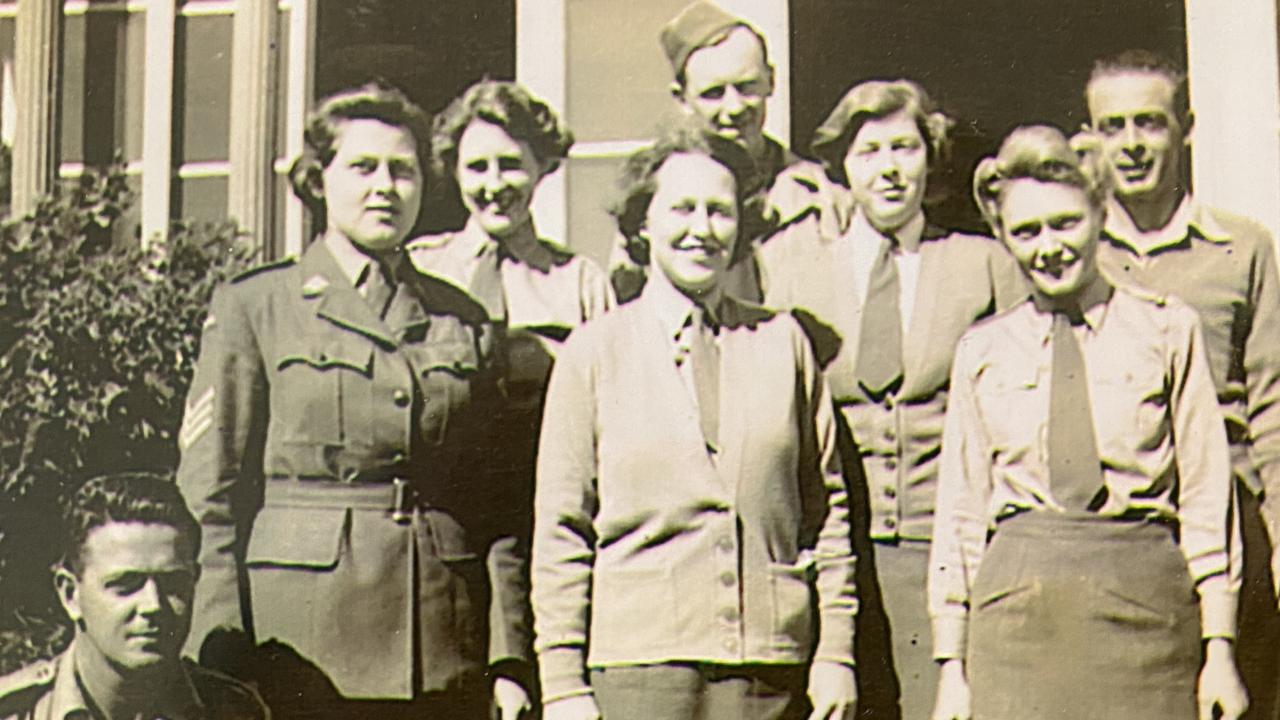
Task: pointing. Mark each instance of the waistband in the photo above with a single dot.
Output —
(397, 496)
(1077, 527)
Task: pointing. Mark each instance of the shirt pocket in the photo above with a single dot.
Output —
(1130, 410)
(307, 389)
(1014, 405)
(298, 538)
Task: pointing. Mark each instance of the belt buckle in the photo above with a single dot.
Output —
(401, 503)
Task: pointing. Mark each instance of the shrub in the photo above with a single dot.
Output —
(97, 341)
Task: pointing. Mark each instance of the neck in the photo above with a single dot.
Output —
(379, 255)
(119, 694)
(704, 298)
(1092, 292)
(1152, 211)
(756, 146)
(521, 240)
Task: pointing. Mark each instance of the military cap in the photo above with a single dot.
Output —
(695, 28)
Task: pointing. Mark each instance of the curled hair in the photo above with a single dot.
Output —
(373, 101)
(509, 106)
(1037, 152)
(876, 100)
(637, 184)
(1146, 61)
(130, 497)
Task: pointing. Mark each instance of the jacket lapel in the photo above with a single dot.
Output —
(336, 300)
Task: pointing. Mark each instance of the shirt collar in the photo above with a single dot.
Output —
(1094, 301)
(351, 261)
(861, 230)
(526, 247)
(68, 701)
(1190, 218)
(671, 307)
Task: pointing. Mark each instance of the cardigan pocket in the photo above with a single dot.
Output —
(633, 613)
(794, 612)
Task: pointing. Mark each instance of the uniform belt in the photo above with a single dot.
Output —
(397, 496)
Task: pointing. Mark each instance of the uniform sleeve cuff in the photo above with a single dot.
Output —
(564, 673)
(1218, 605)
(950, 636)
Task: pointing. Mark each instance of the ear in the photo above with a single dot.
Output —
(771, 74)
(677, 91)
(67, 586)
(1189, 130)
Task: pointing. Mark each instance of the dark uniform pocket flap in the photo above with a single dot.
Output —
(326, 352)
(459, 358)
(447, 537)
(297, 537)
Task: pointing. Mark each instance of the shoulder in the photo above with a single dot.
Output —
(439, 296)
(230, 697)
(1162, 310)
(20, 690)
(265, 272)
(1242, 229)
(990, 333)
(256, 282)
(425, 251)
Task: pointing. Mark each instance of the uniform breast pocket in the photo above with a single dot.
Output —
(1014, 408)
(1132, 404)
(312, 384)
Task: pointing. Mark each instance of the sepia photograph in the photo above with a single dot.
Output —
(639, 359)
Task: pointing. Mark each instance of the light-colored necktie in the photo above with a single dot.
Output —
(698, 339)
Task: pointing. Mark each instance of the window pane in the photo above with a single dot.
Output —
(104, 57)
(618, 84)
(592, 184)
(202, 88)
(201, 198)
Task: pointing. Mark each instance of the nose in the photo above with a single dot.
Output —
(1132, 140)
(149, 601)
(733, 104)
(382, 180)
(700, 224)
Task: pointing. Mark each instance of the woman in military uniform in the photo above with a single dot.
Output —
(1081, 563)
(333, 442)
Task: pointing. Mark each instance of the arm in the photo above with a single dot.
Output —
(1207, 516)
(565, 504)
(959, 534)
(832, 684)
(220, 473)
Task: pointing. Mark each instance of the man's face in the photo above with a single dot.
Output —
(692, 222)
(132, 600)
(1141, 138)
(1052, 230)
(727, 85)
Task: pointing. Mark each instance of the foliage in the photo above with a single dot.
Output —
(97, 340)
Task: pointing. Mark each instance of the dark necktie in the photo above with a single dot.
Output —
(704, 357)
(378, 287)
(1075, 470)
(880, 341)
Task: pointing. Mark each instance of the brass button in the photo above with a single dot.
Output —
(728, 579)
(890, 491)
(400, 397)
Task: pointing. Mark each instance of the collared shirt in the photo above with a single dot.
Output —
(54, 691)
(1148, 383)
(1224, 267)
(525, 282)
(354, 264)
(863, 242)
(677, 315)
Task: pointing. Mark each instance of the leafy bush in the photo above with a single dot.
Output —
(97, 341)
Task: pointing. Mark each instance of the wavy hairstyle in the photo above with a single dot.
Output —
(1037, 152)
(509, 106)
(373, 101)
(876, 100)
(637, 184)
(126, 497)
(1146, 61)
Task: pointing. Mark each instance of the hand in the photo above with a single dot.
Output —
(832, 690)
(1220, 684)
(578, 707)
(953, 693)
(511, 700)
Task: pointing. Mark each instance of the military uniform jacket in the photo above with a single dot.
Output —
(962, 278)
(50, 690)
(304, 407)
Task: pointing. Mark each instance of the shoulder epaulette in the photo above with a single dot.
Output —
(283, 262)
(1144, 293)
(17, 686)
(428, 242)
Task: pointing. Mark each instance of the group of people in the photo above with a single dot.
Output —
(472, 475)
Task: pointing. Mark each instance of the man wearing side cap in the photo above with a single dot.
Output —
(722, 75)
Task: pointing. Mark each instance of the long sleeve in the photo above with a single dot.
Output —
(1206, 510)
(221, 467)
(960, 522)
(837, 593)
(565, 504)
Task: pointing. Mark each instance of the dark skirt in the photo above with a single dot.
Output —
(1083, 617)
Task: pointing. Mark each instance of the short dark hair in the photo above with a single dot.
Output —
(373, 101)
(1147, 61)
(876, 100)
(637, 184)
(127, 497)
(509, 106)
